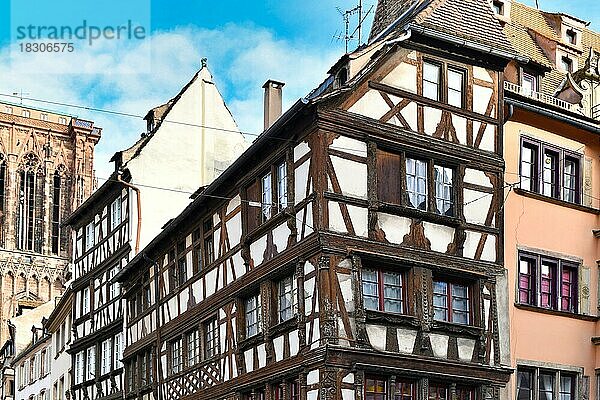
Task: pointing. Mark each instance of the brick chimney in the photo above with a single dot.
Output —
(272, 101)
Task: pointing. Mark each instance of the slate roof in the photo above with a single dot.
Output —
(473, 20)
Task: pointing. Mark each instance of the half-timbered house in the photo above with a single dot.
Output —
(355, 250)
(182, 150)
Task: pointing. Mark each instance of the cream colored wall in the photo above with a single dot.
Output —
(183, 156)
(539, 224)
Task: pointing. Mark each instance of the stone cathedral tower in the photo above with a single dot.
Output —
(46, 171)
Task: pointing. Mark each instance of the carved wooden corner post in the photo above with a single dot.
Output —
(268, 311)
(423, 287)
(301, 304)
(328, 383)
(362, 339)
(327, 315)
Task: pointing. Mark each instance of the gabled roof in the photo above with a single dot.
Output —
(471, 20)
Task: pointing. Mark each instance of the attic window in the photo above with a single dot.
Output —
(9, 110)
(341, 77)
(62, 120)
(498, 7)
(566, 64)
(571, 36)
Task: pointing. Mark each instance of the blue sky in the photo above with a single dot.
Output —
(246, 43)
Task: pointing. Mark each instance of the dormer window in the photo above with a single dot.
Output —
(498, 7)
(571, 36)
(9, 110)
(62, 120)
(25, 113)
(566, 64)
(341, 78)
(529, 83)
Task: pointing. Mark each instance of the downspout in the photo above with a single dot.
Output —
(158, 325)
(510, 112)
(203, 143)
(139, 210)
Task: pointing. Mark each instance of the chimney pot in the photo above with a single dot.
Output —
(272, 102)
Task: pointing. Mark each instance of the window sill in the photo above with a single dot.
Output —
(567, 314)
(251, 341)
(454, 327)
(284, 326)
(558, 202)
(388, 317)
(416, 213)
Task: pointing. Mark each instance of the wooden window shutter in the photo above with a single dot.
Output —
(389, 186)
(253, 195)
(584, 290)
(587, 182)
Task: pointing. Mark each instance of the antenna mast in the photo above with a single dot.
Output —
(346, 14)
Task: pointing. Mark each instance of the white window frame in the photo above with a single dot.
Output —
(79, 367)
(90, 236)
(107, 351)
(85, 301)
(90, 368)
(115, 213)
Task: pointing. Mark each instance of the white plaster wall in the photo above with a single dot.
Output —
(404, 76)
(370, 105)
(395, 227)
(184, 157)
(352, 177)
(440, 236)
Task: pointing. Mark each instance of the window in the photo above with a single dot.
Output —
(417, 186)
(30, 205)
(266, 202)
(404, 390)
(282, 199)
(498, 7)
(56, 213)
(114, 288)
(432, 80)
(451, 302)
(79, 367)
(456, 87)
(571, 36)
(8, 110)
(62, 120)
(209, 249)
(106, 357)
(253, 315)
(416, 183)
(181, 264)
(528, 84)
(287, 304)
(85, 301)
(118, 350)
(211, 338)
(193, 347)
(115, 213)
(547, 282)
(438, 392)
(375, 389)
(197, 251)
(44, 117)
(551, 171)
(91, 363)
(383, 290)
(546, 384)
(566, 64)
(176, 356)
(89, 236)
(26, 113)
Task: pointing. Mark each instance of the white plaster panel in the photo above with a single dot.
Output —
(345, 282)
(482, 74)
(308, 267)
(395, 227)
(184, 297)
(172, 304)
(348, 394)
(404, 76)
(301, 181)
(410, 115)
(249, 358)
(489, 138)
(211, 280)
(197, 289)
(476, 206)
(465, 348)
(481, 98)
(431, 117)
(349, 145)
(300, 150)
(233, 204)
(312, 395)
(257, 249)
(348, 378)
(440, 236)
(370, 105)
(477, 177)
(439, 345)
(312, 377)
(352, 177)
(294, 343)
(471, 242)
(234, 229)
(309, 287)
(336, 221)
(280, 237)
(489, 249)
(360, 220)
(406, 340)
(460, 126)
(278, 345)
(262, 356)
(238, 265)
(316, 334)
(377, 336)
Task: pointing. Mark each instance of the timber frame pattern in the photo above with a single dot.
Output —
(348, 210)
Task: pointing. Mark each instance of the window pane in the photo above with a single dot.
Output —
(549, 173)
(567, 387)
(527, 280)
(455, 88)
(431, 81)
(370, 287)
(416, 183)
(392, 292)
(571, 180)
(528, 167)
(440, 301)
(524, 385)
(547, 284)
(267, 200)
(444, 193)
(546, 386)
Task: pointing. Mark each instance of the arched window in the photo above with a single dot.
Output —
(29, 212)
(2, 196)
(55, 222)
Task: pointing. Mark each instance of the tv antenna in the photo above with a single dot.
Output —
(20, 94)
(357, 33)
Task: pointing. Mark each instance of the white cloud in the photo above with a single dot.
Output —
(241, 58)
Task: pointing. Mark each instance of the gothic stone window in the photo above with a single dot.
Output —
(30, 205)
